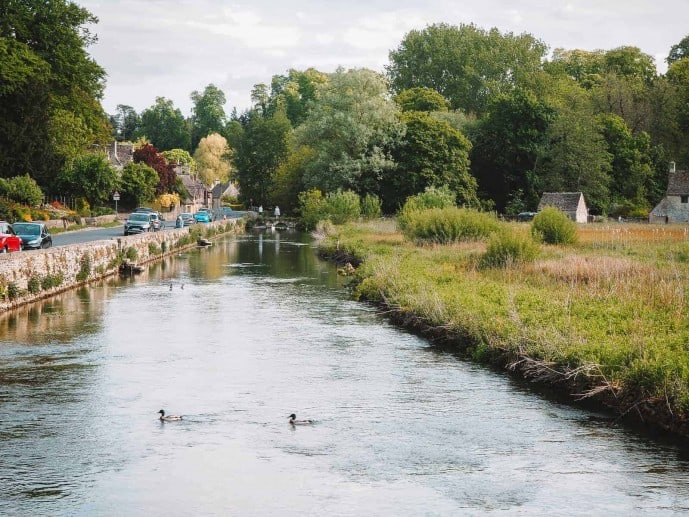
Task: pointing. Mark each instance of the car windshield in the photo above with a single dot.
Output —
(27, 228)
(139, 217)
(185, 215)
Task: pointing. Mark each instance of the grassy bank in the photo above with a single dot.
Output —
(605, 318)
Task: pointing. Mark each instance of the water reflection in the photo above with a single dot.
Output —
(256, 328)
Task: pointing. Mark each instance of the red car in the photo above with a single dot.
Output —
(8, 239)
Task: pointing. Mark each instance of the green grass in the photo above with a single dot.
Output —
(611, 311)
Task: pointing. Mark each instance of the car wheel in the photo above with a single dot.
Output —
(4, 250)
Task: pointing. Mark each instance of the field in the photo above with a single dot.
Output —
(604, 319)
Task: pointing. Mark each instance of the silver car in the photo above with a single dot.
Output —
(138, 222)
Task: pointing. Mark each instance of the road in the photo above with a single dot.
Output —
(92, 234)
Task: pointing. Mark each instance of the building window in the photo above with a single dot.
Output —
(685, 199)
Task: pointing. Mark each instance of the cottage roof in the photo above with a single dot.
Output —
(119, 154)
(565, 201)
(678, 183)
(219, 189)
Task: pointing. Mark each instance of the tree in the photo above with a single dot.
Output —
(467, 65)
(295, 92)
(208, 114)
(165, 126)
(180, 157)
(678, 51)
(125, 123)
(138, 183)
(149, 155)
(90, 176)
(212, 159)
(46, 72)
(421, 99)
(352, 127)
(21, 189)
(507, 146)
(262, 149)
(431, 154)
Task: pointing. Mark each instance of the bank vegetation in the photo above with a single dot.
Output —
(603, 317)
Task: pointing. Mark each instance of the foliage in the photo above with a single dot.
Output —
(552, 226)
(342, 206)
(50, 281)
(168, 200)
(508, 249)
(165, 126)
(180, 157)
(33, 285)
(131, 254)
(287, 181)
(90, 176)
(84, 268)
(167, 177)
(446, 225)
(208, 114)
(351, 128)
(312, 208)
(431, 197)
(465, 64)
(138, 183)
(295, 93)
(261, 150)
(125, 123)
(431, 154)
(421, 99)
(371, 206)
(212, 158)
(21, 189)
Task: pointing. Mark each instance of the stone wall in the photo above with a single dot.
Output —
(30, 275)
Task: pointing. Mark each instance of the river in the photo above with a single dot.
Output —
(236, 337)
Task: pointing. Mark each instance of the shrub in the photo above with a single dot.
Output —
(371, 207)
(312, 207)
(34, 284)
(446, 225)
(130, 254)
(22, 189)
(12, 291)
(154, 249)
(343, 206)
(84, 268)
(552, 226)
(49, 281)
(506, 249)
(432, 197)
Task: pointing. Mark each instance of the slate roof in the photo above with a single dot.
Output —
(678, 183)
(565, 201)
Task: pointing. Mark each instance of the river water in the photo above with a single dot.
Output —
(256, 328)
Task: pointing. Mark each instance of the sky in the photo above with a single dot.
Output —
(170, 48)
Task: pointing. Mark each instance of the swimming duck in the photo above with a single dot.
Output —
(293, 420)
(168, 418)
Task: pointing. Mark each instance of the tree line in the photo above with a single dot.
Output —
(492, 116)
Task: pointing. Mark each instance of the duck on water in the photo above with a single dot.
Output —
(169, 418)
(293, 420)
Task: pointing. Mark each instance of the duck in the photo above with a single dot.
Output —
(169, 418)
(293, 420)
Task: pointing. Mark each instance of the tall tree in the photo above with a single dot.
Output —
(46, 72)
(165, 126)
(467, 65)
(262, 149)
(167, 178)
(352, 127)
(90, 176)
(208, 114)
(678, 51)
(125, 122)
(212, 158)
(421, 99)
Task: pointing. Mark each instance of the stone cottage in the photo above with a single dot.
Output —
(571, 203)
(674, 207)
(119, 154)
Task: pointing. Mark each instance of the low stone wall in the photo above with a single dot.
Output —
(30, 275)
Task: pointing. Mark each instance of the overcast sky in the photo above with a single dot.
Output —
(169, 48)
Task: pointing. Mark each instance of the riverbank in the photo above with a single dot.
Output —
(602, 321)
(29, 276)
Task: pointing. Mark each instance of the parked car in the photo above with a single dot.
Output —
(33, 235)
(138, 222)
(8, 239)
(156, 221)
(525, 216)
(202, 217)
(209, 211)
(187, 218)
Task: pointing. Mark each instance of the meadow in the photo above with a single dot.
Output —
(602, 319)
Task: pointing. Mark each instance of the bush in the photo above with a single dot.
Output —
(21, 189)
(84, 268)
(131, 254)
(34, 284)
(371, 207)
(312, 207)
(446, 225)
(432, 197)
(506, 249)
(552, 226)
(343, 206)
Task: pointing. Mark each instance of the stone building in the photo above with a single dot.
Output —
(571, 203)
(674, 207)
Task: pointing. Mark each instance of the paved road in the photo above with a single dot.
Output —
(92, 234)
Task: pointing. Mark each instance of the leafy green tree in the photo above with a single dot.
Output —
(678, 51)
(125, 123)
(678, 78)
(180, 157)
(585, 67)
(467, 65)
(352, 127)
(431, 154)
(167, 178)
(46, 72)
(21, 189)
(421, 99)
(295, 92)
(263, 147)
(165, 126)
(287, 182)
(507, 146)
(91, 177)
(138, 183)
(208, 115)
